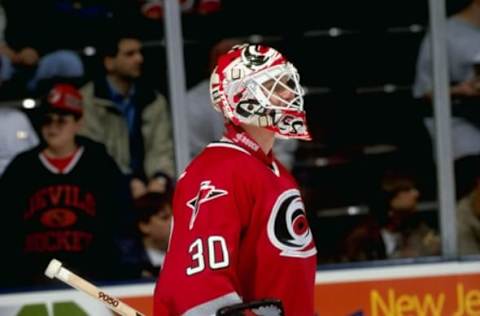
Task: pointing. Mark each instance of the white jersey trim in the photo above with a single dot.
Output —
(74, 161)
(275, 169)
(227, 144)
(211, 307)
(182, 175)
(67, 169)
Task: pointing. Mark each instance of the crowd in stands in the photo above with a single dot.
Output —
(88, 176)
(95, 155)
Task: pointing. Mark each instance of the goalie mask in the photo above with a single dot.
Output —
(256, 85)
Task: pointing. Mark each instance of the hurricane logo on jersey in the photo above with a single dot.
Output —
(288, 228)
(206, 192)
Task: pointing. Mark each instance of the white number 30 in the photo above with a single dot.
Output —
(216, 260)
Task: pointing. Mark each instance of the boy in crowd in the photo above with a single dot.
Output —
(64, 198)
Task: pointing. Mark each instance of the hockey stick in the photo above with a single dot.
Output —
(266, 307)
(55, 270)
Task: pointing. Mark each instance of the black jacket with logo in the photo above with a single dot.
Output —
(74, 216)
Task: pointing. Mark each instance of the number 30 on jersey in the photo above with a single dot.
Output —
(216, 255)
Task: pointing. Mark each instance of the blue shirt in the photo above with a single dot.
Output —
(127, 107)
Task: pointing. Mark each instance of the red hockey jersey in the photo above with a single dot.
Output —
(240, 233)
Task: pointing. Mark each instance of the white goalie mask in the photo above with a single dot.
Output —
(256, 85)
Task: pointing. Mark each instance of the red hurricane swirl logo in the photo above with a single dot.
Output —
(288, 227)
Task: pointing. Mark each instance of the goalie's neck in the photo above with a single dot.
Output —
(254, 141)
(264, 137)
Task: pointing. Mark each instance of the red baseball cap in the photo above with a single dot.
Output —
(65, 98)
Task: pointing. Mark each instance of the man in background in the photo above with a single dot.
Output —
(129, 117)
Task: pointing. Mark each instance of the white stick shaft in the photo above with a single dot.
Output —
(83, 285)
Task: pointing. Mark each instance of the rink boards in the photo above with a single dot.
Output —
(437, 289)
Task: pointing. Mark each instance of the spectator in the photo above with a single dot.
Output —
(64, 199)
(129, 117)
(463, 47)
(207, 125)
(404, 232)
(25, 57)
(393, 228)
(154, 215)
(468, 214)
(16, 135)
(143, 246)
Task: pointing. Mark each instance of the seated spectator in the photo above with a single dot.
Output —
(25, 58)
(393, 229)
(16, 135)
(207, 125)
(129, 117)
(404, 233)
(468, 214)
(463, 48)
(143, 246)
(65, 199)
(154, 216)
